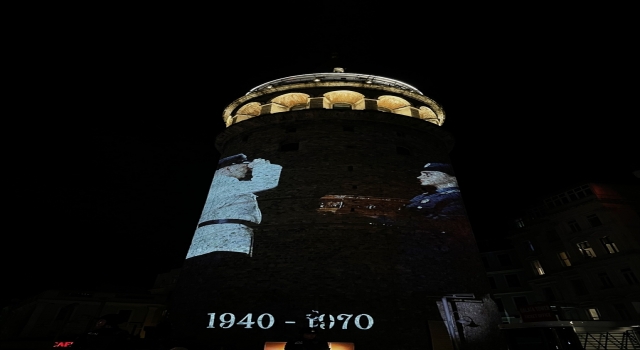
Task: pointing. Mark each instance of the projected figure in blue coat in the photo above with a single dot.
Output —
(232, 204)
(442, 196)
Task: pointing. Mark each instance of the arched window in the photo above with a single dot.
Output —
(341, 106)
(298, 107)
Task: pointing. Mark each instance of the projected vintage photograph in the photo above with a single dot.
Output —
(440, 199)
(232, 204)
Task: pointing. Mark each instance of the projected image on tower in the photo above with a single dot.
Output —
(440, 199)
(232, 204)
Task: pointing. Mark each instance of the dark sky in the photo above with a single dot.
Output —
(113, 148)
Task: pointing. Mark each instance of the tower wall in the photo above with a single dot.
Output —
(337, 234)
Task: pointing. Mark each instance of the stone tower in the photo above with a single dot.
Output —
(334, 206)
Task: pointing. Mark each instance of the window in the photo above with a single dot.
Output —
(403, 151)
(564, 259)
(593, 314)
(537, 268)
(505, 260)
(520, 302)
(298, 107)
(549, 294)
(499, 304)
(586, 250)
(623, 311)
(348, 128)
(341, 106)
(629, 276)
(512, 280)
(605, 281)
(519, 222)
(485, 262)
(125, 315)
(573, 225)
(569, 196)
(552, 235)
(594, 220)
(65, 312)
(528, 245)
(608, 245)
(579, 288)
(350, 168)
(492, 283)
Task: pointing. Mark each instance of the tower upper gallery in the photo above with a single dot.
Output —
(336, 90)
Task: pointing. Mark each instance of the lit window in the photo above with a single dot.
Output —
(586, 250)
(593, 314)
(608, 245)
(564, 259)
(573, 225)
(519, 223)
(629, 276)
(594, 220)
(537, 267)
(605, 280)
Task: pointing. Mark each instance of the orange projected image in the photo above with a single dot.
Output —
(332, 346)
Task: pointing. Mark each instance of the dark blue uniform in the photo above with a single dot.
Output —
(441, 203)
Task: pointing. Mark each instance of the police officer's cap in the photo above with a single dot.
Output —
(441, 167)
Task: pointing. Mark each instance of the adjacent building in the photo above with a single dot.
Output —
(581, 251)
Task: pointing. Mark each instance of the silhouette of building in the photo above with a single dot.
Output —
(508, 279)
(581, 250)
(334, 205)
(59, 316)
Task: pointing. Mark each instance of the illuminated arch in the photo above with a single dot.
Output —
(429, 115)
(353, 98)
(392, 102)
(291, 99)
(252, 108)
(245, 112)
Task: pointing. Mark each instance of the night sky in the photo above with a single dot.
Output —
(112, 150)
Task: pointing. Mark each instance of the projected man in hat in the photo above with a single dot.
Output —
(442, 195)
(232, 204)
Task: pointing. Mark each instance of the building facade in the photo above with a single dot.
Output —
(335, 206)
(508, 280)
(581, 251)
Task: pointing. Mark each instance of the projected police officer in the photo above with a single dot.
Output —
(442, 196)
(231, 204)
